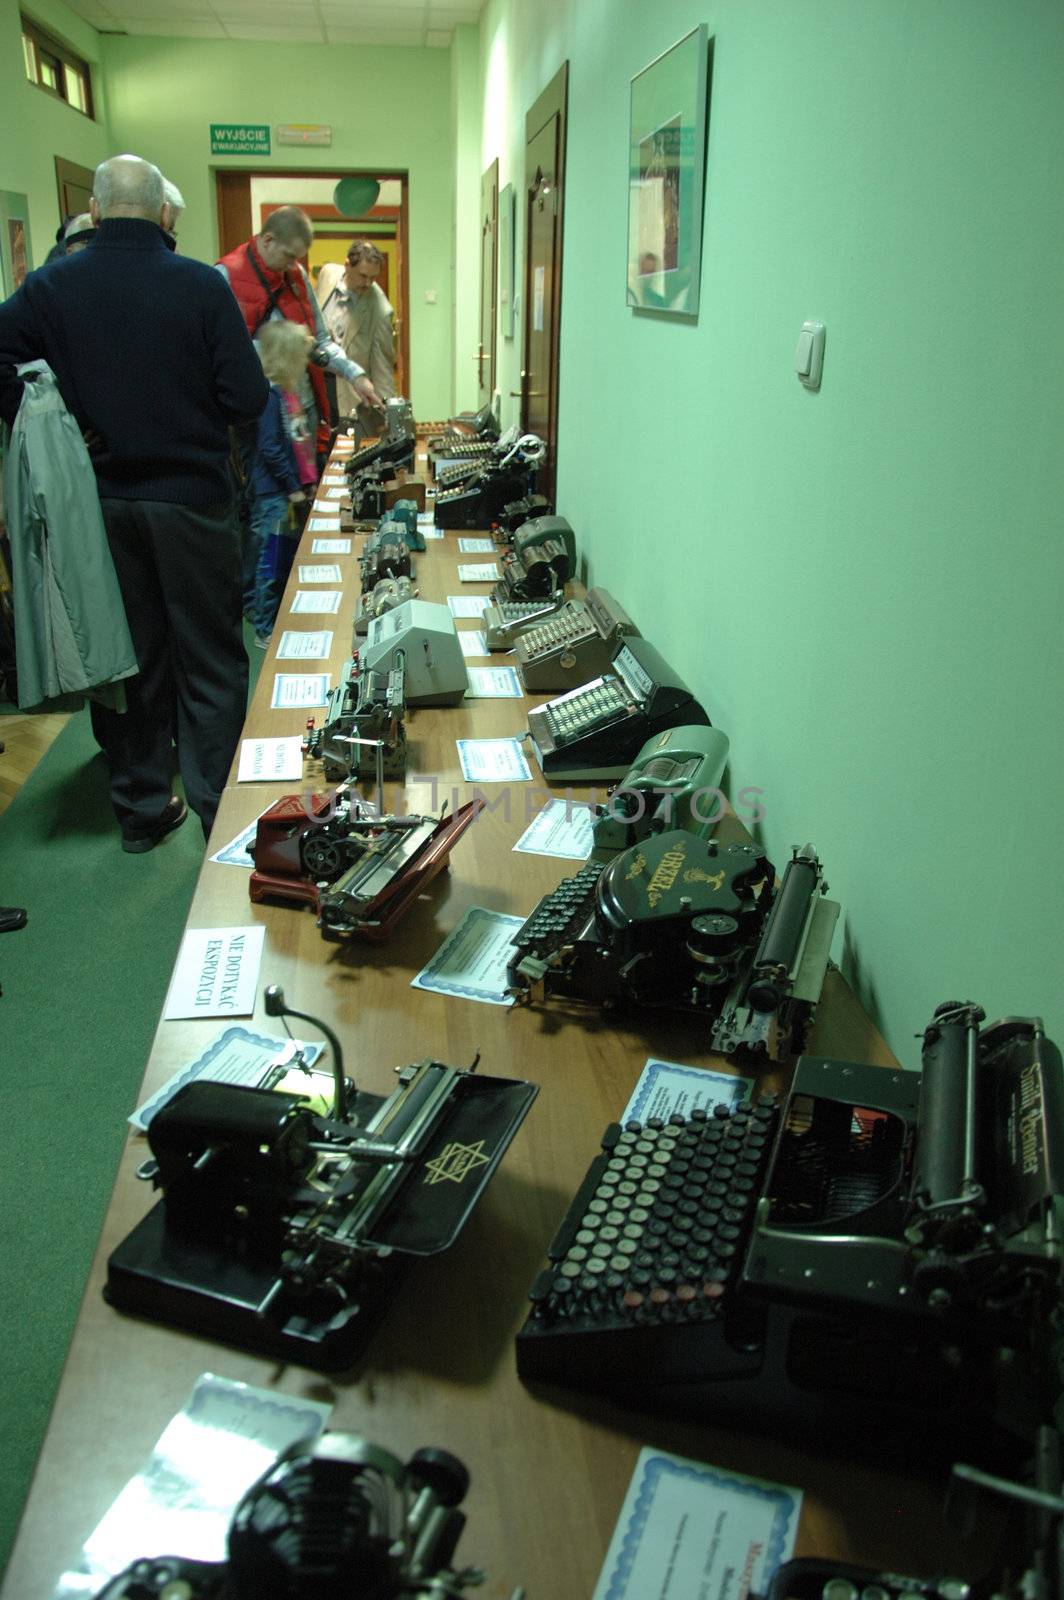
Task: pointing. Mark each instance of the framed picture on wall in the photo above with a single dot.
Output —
(666, 177)
(15, 259)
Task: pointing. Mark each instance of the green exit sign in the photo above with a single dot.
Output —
(239, 139)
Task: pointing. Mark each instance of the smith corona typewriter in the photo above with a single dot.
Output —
(359, 871)
(477, 501)
(878, 1264)
(364, 713)
(575, 644)
(682, 923)
(384, 596)
(287, 1231)
(595, 731)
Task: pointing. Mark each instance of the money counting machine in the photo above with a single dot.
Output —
(358, 869)
(288, 1232)
(878, 1262)
(684, 923)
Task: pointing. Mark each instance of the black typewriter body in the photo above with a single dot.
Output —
(683, 923)
(288, 1233)
(859, 1302)
(478, 500)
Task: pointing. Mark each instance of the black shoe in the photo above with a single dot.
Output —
(172, 817)
(11, 917)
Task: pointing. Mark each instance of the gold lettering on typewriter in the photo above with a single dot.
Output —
(696, 875)
(638, 865)
(664, 875)
(455, 1162)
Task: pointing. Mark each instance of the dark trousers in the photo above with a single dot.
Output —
(179, 571)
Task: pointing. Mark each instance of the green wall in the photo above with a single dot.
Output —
(35, 127)
(864, 585)
(465, 110)
(389, 108)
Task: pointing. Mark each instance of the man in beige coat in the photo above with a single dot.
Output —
(361, 320)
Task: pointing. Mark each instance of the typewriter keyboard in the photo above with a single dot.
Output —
(571, 624)
(561, 914)
(659, 1226)
(570, 718)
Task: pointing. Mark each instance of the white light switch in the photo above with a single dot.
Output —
(809, 355)
(430, 297)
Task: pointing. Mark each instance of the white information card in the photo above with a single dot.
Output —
(217, 973)
(270, 760)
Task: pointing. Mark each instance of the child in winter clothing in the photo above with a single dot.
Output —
(282, 472)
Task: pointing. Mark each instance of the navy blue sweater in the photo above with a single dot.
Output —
(150, 350)
(274, 469)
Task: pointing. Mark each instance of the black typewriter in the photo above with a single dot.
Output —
(535, 573)
(513, 515)
(364, 711)
(287, 1231)
(394, 448)
(680, 922)
(892, 1283)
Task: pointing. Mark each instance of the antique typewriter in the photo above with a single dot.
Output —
(384, 596)
(468, 425)
(502, 622)
(594, 731)
(877, 1264)
(331, 1516)
(396, 445)
(468, 456)
(364, 714)
(1030, 1565)
(477, 501)
(405, 513)
(385, 554)
(517, 512)
(289, 1232)
(540, 562)
(424, 634)
(672, 783)
(577, 643)
(682, 923)
(359, 870)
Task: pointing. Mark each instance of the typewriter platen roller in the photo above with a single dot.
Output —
(894, 1289)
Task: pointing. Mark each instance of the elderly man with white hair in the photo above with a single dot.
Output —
(153, 360)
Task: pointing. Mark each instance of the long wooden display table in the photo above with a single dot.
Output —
(550, 1468)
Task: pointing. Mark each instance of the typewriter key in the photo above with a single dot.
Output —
(874, 1591)
(656, 1170)
(585, 1236)
(839, 1589)
(659, 1297)
(571, 1269)
(637, 1216)
(597, 1265)
(620, 1264)
(609, 1234)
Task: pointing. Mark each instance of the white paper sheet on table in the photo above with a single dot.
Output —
(468, 605)
(690, 1530)
(236, 853)
(476, 547)
(321, 523)
(296, 691)
(666, 1087)
(217, 973)
(270, 760)
(493, 761)
(236, 1056)
(471, 962)
(331, 547)
(473, 642)
(493, 683)
(324, 573)
(316, 602)
(478, 572)
(182, 1500)
(562, 828)
(299, 646)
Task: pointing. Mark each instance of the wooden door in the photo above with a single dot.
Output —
(74, 187)
(544, 209)
(489, 250)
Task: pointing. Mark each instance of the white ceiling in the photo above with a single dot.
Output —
(402, 22)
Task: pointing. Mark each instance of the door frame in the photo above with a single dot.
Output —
(553, 102)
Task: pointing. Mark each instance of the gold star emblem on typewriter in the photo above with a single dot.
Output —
(455, 1162)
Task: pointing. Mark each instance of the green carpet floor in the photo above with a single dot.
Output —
(83, 986)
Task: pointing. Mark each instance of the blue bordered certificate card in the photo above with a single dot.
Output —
(697, 1531)
(666, 1088)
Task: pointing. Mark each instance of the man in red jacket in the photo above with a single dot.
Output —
(268, 280)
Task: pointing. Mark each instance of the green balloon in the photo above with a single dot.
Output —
(353, 197)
